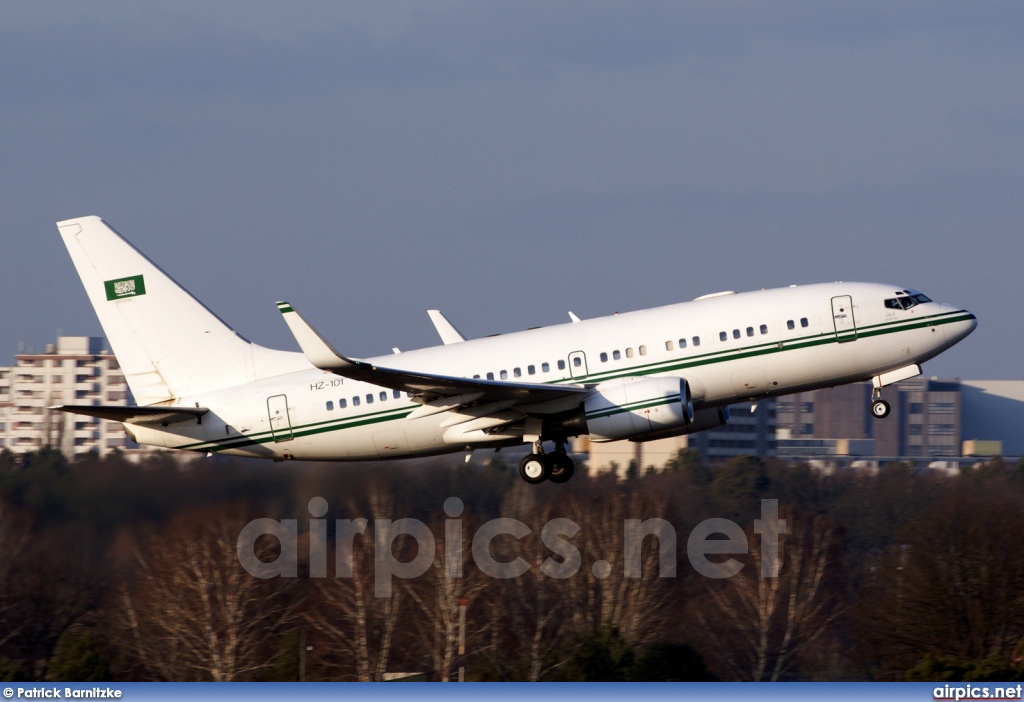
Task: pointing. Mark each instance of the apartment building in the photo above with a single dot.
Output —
(75, 370)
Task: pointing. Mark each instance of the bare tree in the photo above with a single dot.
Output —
(437, 593)
(359, 627)
(605, 593)
(193, 612)
(527, 614)
(759, 624)
(14, 536)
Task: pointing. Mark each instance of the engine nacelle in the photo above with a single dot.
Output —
(703, 419)
(633, 408)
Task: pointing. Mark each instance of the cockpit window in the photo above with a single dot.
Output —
(905, 302)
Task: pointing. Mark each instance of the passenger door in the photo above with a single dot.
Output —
(842, 317)
(578, 365)
(280, 421)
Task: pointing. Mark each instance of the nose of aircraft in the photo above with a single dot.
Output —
(962, 325)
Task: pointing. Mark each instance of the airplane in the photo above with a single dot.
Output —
(642, 375)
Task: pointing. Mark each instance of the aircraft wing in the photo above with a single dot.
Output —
(426, 386)
(136, 415)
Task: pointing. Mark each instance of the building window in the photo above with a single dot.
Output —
(916, 408)
(915, 430)
(941, 429)
(941, 407)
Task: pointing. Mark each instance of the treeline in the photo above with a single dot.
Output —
(112, 570)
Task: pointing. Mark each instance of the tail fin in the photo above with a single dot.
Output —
(167, 342)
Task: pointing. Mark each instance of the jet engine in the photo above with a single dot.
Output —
(634, 408)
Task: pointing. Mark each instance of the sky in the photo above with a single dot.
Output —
(508, 162)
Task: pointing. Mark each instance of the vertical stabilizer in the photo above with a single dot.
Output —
(168, 344)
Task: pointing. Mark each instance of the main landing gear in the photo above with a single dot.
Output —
(539, 466)
(879, 407)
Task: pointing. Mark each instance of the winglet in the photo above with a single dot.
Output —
(573, 317)
(448, 333)
(318, 350)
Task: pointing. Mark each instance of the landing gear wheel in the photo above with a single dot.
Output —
(534, 469)
(880, 409)
(561, 468)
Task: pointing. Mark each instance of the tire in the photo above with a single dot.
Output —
(561, 468)
(534, 469)
(880, 409)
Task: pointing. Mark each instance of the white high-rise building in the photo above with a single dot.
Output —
(75, 371)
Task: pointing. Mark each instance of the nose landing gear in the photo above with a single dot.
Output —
(879, 407)
(539, 466)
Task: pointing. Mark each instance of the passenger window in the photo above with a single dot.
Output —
(682, 343)
(735, 333)
(490, 376)
(577, 361)
(476, 377)
(544, 367)
(355, 401)
(330, 406)
(616, 355)
(504, 375)
(803, 322)
(668, 346)
(516, 372)
(531, 370)
(722, 336)
(750, 331)
(764, 328)
(629, 352)
(383, 395)
(397, 394)
(696, 341)
(561, 365)
(643, 350)
(604, 357)
(369, 398)
(790, 324)
(342, 403)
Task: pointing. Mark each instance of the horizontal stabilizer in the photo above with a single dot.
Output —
(136, 415)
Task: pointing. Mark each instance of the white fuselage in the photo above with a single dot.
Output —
(775, 342)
